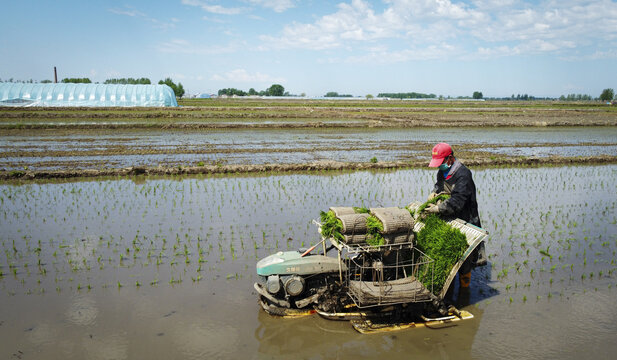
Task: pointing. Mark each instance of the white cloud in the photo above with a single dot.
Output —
(215, 20)
(382, 55)
(177, 76)
(129, 11)
(481, 27)
(601, 54)
(215, 9)
(243, 76)
(535, 46)
(276, 5)
(357, 21)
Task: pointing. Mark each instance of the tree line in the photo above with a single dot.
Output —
(335, 94)
(76, 80)
(130, 81)
(274, 90)
(177, 88)
(409, 95)
(575, 97)
(607, 94)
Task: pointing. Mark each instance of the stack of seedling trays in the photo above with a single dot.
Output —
(372, 229)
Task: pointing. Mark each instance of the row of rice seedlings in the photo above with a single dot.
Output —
(207, 226)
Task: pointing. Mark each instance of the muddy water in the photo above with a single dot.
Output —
(163, 268)
(62, 149)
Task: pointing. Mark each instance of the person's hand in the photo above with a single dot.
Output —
(431, 196)
(432, 209)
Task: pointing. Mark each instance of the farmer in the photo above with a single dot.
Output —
(455, 179)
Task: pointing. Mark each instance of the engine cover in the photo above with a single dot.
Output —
(292, 263)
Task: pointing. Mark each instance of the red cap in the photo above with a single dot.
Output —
(440, 152)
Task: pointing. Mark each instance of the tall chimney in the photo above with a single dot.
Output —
(55, 76)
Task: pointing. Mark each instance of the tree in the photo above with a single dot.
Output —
(141, 81)
(252, 91)
(369, 97)
(336, 94)
(76, 80)
(276, 90)
(178, 89)
(231, 92)
(409, 95)
(607, 95)
(477, 95)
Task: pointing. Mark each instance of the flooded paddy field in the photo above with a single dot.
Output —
(60, 149)
(163, 267)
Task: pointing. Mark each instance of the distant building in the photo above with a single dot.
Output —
(94, 95)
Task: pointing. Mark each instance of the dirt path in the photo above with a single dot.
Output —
(315, 113)
(308, 167)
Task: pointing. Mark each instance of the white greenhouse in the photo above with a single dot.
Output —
(92, 95)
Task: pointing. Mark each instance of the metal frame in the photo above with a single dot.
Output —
(474, 235)
(401, 286)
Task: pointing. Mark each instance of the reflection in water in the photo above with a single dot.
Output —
(42, 334)
(313, 337)
(82, 251)
(211, 340)
(82, 311)
(112, 346)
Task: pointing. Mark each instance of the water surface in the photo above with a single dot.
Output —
(69, 149)
(163, 267)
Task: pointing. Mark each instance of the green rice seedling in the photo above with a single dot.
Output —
(442, 243)
(434, 200)
(330, 225)
(546, 253)
(374, 229)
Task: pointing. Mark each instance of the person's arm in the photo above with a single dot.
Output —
(438, 183)
(459, 196)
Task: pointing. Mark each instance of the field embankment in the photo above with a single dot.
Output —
(257, 135)
(260, 113)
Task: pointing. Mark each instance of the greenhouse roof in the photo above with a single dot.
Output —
(63, 94)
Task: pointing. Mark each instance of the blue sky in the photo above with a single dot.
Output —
(445, 47)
